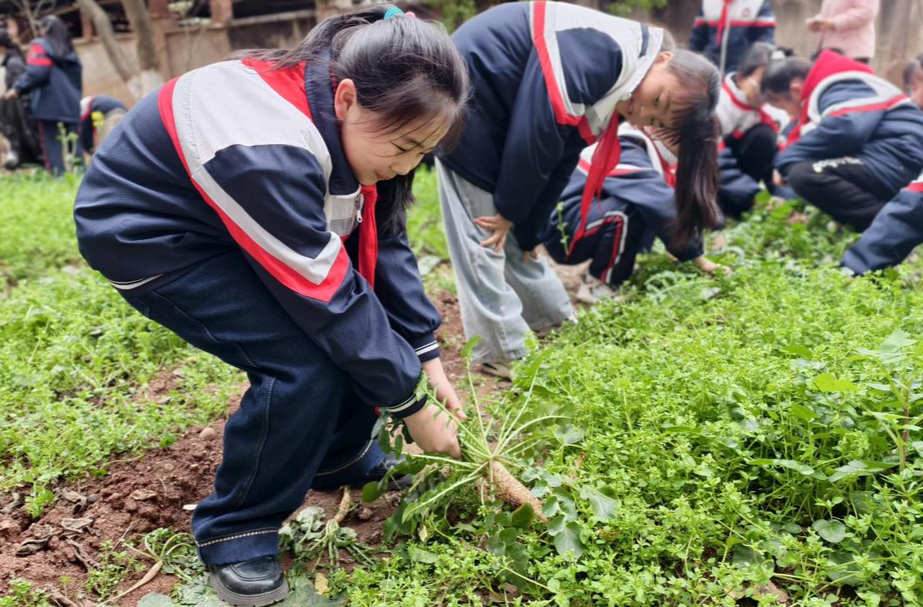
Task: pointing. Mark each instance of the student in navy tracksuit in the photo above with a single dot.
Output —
(548, 79)
(725, 29)
(898, 227)
(857, 141)
(53, 80)
(238, 207)
(750, 133)
(99, 114)
(635, 207)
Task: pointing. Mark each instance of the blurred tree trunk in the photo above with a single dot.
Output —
(122, 63)
(141, 77)
(148, 62)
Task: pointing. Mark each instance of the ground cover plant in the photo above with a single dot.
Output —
(751, 439)
(75, 358)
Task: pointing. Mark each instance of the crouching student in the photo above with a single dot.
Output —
(636, 205)
(550, 78)
(255, 208)
(894, 233)
(749, 132)
(857, 140)
(99, 115)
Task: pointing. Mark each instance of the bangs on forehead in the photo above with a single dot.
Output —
(422, 124)
(683, 108)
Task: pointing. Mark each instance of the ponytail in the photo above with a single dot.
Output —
(696, 135)
(405, 69)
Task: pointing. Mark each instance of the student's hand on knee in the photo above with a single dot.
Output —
(445, 392)
(499, 225)
(777, 178)
(533, 254)
(11, 94)
(434, 431)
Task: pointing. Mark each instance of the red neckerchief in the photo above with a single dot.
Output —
(605, 158)
(368, 235)
(828, 64)
(722, 22)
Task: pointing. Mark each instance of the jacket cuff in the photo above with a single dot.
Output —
(426, 346)
(406, 408)
(689, 253)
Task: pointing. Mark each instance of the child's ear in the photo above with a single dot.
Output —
(345, 99)
(795, 88)
(663, 58)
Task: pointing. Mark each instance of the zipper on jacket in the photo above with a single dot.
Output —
(359, 208)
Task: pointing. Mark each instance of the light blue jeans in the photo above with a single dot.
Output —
(501, 296)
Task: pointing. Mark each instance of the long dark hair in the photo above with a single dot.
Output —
(405, 69)
(695, 132)
(780, 73)
(56, 34)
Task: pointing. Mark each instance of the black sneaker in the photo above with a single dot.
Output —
(252, 583)
(372, 476)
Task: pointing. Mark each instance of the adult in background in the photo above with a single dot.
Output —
(725, 29)
(99, 115)
(847, 26)
(52, 78)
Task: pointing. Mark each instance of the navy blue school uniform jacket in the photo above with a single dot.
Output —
(848, 111)
(546, 77)
(89, 106)
(238, 156)
(637, 195)
(728, 27)
(53, 82)
(895, 232)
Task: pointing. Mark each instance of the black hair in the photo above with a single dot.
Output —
(56, 34)
(695, 133)
(911, 70)
(404, 69)
(760, 54)
(5, 40)
(780, 73)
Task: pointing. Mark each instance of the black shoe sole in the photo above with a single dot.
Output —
(248, 600)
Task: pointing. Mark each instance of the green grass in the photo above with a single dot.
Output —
(76, 357)
(737, 431)
(722, 433)
(36, 225)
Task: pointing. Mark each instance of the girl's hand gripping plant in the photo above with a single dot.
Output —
(489, 449)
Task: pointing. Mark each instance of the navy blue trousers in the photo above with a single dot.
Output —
(53, 147)
(613, 239)
(299, 425)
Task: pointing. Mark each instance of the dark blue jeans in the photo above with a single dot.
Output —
(299, 425)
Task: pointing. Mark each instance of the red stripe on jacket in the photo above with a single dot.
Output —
(279, 270)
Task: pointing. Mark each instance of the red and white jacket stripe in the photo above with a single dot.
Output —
(264, 171)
